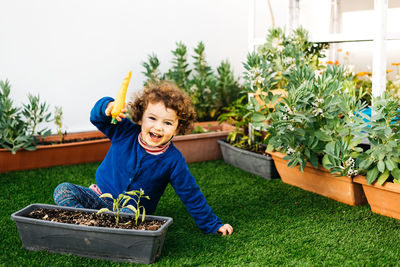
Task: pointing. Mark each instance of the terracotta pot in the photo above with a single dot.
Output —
(57, 154)
(320, 181)
(203, 146)
(194, 147)
(383, 199)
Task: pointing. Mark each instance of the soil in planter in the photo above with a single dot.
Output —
(259, 149)
(93, 219)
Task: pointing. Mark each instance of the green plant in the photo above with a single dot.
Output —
(227, 86)
(152, 69)
(203, 86)
(340, 153)
(283, 52)
(58, 120)
(123, 202)
(13, 134)
(36, 112)
(18, 128)
(382, 129)
(242, 136)
(179, 73)
(313, 117)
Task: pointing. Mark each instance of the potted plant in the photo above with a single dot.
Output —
(103, 234)
(379, 164)
(240, 148)
(311, 122)
(25, 144)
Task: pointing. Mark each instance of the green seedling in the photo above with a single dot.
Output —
(122, 202)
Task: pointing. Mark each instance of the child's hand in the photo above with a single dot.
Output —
(121, 115)
(225, 229)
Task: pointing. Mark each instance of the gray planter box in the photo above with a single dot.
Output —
(248, 161)
(95, 242)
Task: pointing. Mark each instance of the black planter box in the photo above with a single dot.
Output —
(262, 165)
(137, 246)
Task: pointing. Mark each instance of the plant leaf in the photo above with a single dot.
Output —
(103, 210)
(132, 208)
(396, 173)
(390, 165)
(323, 136)
(381, 166)
(383, 177)
(107, 195)
(143, 214)
(132, 193)
(364, 165)
(372, 175)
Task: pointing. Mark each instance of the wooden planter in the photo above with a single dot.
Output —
(203, 146)
(320, 181)
(57, 154)
(383, 199)
(194, 147)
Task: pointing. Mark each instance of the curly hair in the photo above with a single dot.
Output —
(173, 98)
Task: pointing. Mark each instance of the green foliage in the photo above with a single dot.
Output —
(19, 128)
(179, 73)
(152, 72)
(237, 115)
(123, 202)
(58, 120)
(314, 119)
(281, 53)
(14, 131)
(36, 112)
(284, 62)
(381, 161)
(209, 91)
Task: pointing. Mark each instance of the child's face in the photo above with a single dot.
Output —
(159, 124)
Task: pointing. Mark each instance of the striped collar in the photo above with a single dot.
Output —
(153, 150)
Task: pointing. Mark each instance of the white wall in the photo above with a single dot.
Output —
(74, 52)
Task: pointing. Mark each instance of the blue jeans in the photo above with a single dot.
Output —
(71, 195)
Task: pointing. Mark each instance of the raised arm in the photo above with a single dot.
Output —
(100, 117)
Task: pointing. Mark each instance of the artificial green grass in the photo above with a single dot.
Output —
(274, 223)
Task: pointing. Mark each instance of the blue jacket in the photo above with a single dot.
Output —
(127, 166)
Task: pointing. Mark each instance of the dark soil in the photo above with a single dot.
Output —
(92, 219)
(259, 149)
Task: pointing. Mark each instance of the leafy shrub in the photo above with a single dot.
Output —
(314, 117)
(382, 129)
(19, 129)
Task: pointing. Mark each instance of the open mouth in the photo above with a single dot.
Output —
(155, 136)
